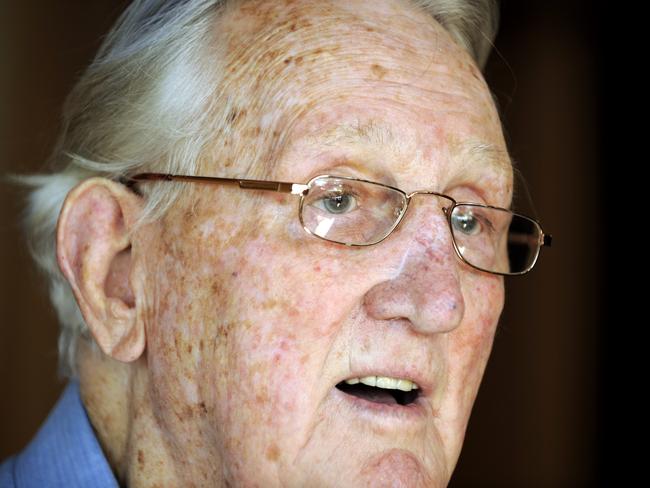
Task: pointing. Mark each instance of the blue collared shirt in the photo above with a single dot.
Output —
(64, 453)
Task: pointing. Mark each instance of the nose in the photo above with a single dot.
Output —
(423, 286)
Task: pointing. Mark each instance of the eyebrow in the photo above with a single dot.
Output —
(370, 132)
(375, 133)
(487, 153)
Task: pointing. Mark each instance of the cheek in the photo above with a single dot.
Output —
(284, 309)
(245, 327)
(471, 343)
(260, 327)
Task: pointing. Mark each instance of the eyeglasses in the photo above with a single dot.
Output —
(356, 212)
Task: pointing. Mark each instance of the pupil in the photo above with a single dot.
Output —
(465, 223)
(337, 204)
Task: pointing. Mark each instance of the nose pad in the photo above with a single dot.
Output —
(425, 288)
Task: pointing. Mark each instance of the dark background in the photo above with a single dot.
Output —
(541, 417)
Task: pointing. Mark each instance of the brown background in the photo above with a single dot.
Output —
(539, 418)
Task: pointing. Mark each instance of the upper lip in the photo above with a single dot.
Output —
(424, 382)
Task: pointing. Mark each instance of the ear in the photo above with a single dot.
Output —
(94, 254)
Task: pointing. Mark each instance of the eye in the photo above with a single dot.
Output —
(466, 222)
(337, 203)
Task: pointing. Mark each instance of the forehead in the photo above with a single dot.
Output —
(267, 42)
(337, 68)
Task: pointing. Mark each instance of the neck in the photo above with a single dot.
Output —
(116, 398)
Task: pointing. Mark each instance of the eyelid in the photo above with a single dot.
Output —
(478, 195)
(493, 194)
(351, 168)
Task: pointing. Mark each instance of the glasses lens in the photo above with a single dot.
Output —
(351, 211)
(523, 243)
(495, 240)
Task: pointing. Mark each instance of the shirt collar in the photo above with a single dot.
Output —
(65, 451)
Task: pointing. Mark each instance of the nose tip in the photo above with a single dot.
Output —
(434, 306)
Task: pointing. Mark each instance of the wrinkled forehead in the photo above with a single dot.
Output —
(284, 61)
(302, 43)
(327, 24)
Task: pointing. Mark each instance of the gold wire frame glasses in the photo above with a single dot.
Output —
(356, 212)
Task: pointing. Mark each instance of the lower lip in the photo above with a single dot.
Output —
(382, 414)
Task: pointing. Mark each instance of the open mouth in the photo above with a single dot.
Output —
(379, 389)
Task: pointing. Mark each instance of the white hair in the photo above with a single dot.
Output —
(147, 103)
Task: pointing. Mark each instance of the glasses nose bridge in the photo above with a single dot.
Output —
(446, 209)
(445, 198)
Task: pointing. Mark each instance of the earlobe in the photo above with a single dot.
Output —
(95, 255)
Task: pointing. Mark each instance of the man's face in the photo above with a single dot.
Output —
(251, 322)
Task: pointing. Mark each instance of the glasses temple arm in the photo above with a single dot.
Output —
(278, 186)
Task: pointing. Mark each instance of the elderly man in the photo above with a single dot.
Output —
(282, 246)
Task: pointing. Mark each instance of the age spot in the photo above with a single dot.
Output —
(272, 452)
(140, 457)
(379, 71)
(236, 115)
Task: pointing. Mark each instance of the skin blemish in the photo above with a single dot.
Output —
(177, 346)
(216, 287)
(272, 452)
(235, 116)
(140, 458)
(222, 331)
(261, 398)
(271, 303)
(253, 132)
(378, 71)
(189, 413)
(270, 56)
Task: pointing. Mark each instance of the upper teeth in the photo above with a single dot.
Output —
(384, 382)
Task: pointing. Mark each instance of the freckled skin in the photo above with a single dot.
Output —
(250, 322)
